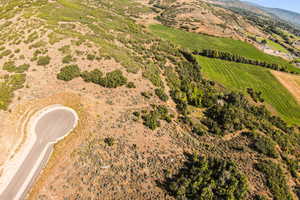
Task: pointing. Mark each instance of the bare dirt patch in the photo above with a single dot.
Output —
(291, 82)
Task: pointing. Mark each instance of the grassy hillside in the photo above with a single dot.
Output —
(241, 76)
(199, 42)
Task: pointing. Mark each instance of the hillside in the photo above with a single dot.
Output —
(155, 120)
(286, 15)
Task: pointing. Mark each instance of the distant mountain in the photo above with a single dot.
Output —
(286, 15)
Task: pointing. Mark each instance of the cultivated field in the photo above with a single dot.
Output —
(199, 42)
(241, 76)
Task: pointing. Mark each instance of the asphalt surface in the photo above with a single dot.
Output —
(49, 128)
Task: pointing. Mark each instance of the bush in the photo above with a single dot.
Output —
(263, 144)
(151, 119)
(11, 67)
(67, 59)
(114, 79)
(91, 57)
(275, 180)
(111, 80)
(130, 85)
(43, 60)
(109, 141)
(161, 94)
(208, 178)
(68, 73)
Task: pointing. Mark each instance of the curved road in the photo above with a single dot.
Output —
(49, 128)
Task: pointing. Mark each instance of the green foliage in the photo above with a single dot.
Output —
(293, 166)
(256, 96)
(130, 85)
(7, 88)
(11, 67)
(276, 180)
(161, 94)
(112, 79)
(208, 178)
(68, 73)
(67, 59)
(152, 119)
(43, 60)
(91, 57)
(263, 144)
(239, 77)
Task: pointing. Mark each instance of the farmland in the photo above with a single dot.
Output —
(199, 42)
(239, 77)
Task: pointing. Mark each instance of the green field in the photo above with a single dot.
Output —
(239, 77)
(198, 42)
(276, 46)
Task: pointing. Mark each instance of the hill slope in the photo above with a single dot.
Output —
(151, 126)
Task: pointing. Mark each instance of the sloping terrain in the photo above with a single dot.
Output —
(242, 76)
(151, 126)
(198, 42)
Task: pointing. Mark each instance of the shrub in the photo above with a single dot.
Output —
(111, 80)
(43, 60)
(130, 85)
(147, 95)
(114, 79)
(161, 94)
(109, 141)
(275, 180)
(68, 73)
(91, 57)
(208, 178)
(67, 59)
(11, 67)
(151, 119)
(263, 144)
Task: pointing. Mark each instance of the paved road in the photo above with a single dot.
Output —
(49, 128)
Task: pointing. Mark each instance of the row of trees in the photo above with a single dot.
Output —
(239, 59)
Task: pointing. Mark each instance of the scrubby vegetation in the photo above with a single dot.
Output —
(69, 72)
(208, 178)
(263, 144)
(161, 94)
(8, 85)
(152, 118)
(11, 67)
(275, 179)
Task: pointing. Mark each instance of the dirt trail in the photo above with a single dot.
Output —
(290, 81)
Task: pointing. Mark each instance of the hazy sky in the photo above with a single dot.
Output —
(293, 5)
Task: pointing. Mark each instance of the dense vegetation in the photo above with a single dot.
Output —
(69, 72)
(263, 144)
(275, 179)
(208, 178)
(111, 80)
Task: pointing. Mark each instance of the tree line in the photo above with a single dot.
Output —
(239, 59)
